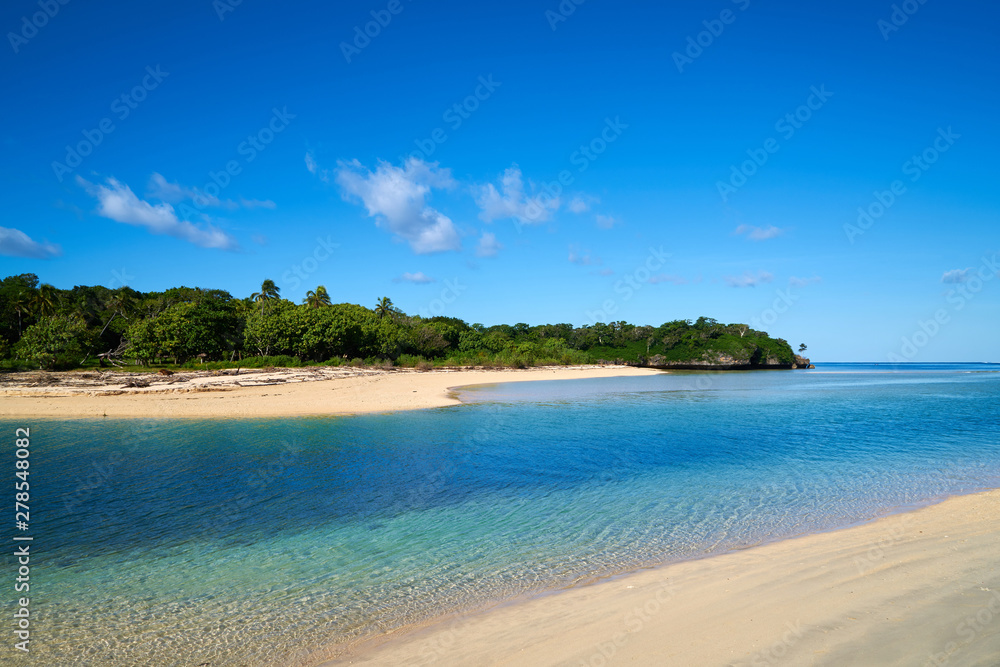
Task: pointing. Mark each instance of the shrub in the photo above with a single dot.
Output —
(55, 342)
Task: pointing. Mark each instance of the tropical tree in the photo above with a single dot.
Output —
(318, 298)
(268, 292)
(187, 329)
(802, 348)
(44, 301)
(21, 303)
(384, 308)
(55, 342)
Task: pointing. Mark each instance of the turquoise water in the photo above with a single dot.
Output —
(180, 542)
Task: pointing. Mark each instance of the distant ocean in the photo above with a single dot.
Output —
(252, 542)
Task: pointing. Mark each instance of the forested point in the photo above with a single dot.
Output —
(85, 327)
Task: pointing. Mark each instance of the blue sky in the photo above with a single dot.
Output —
(536, 162)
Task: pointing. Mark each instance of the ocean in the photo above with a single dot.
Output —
(265, 541)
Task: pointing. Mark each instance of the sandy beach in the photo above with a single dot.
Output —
(259, 393)
(917, 588)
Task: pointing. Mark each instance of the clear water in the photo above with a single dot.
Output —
(180, 542)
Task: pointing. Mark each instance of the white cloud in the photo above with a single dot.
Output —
(606, 272)
(667, 278)
(576, 256)
(257, 203)
(581, 203)
(757, 233)
(160, 188)
(749, 279)
(419, 277)
(488, 245)
(795, 281)
(512, 202)
(396, 198)
(311, 163)
(606, 221)
(117, 202)
(15, 243)
(956, 276)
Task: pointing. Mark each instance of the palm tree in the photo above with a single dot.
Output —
(384, 307)
(45, 301)
(21, 304)
(268, 292)
(318, 298)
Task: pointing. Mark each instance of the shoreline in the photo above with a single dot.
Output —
(918, 586)
(294, 392)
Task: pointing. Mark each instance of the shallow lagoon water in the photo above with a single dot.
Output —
(256, 542)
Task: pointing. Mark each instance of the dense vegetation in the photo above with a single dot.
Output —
(45, 327)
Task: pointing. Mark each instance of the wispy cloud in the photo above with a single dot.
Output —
(795, 281)
(667, 278)
(173, 193)
(956, 276)
(758, 233)
(419, 278)
(511, 201)
(581, 203)
(15, 243)
(583, 258)
(311, 163)
(117, 202)
(749, 279)
(606, 221)
(257, 203)
(488, 245)
(397, 199)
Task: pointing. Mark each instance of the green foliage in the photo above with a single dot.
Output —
(180, 324)
(55, 342)
(184, 330)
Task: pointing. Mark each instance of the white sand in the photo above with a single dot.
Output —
(921, 588)
(279, 393)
